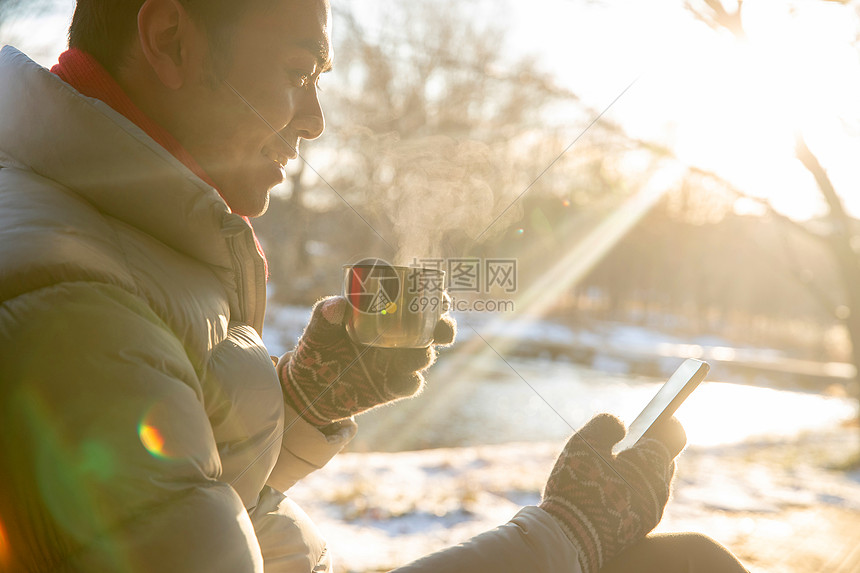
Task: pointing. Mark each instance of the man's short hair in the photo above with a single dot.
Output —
(106, 28)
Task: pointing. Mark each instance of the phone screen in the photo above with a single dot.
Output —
(664, 403)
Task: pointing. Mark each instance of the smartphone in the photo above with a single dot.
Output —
(664, 403)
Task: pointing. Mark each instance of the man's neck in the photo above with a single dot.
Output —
(84, 73)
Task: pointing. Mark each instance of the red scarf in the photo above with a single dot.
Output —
(83, 72)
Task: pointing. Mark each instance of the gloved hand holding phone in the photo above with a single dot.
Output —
(605, 503)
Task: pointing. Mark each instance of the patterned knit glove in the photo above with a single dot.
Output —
(606, 503)
(328, 377)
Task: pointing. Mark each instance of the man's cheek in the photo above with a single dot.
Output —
(280, 107)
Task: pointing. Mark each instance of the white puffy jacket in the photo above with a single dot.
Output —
(142, 425)
(141, 414)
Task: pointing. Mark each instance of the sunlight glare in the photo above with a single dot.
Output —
(723, 414)
(496, 338)
(791, 75)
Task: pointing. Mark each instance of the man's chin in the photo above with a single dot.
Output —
(248, 194)
(247, 202)
(252, 208)
(263, 208)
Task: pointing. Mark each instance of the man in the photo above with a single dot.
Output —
(144, 425)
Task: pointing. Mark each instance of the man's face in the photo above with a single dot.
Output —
(244, 128)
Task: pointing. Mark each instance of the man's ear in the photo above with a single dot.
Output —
(167, 38)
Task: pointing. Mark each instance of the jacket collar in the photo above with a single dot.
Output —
(84, 73)
(109, 161)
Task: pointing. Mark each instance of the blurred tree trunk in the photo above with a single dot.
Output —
(842, 240)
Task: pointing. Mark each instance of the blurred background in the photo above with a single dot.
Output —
(620, 186)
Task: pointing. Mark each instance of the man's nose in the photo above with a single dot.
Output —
(309, 120)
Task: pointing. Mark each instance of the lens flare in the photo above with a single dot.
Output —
(5, 549)
(151, 439)
(157, 432)
(97, 460)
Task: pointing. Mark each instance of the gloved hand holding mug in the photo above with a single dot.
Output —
(328, 377)
(605, 503)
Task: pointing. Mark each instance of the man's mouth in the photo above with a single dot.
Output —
(279, 158)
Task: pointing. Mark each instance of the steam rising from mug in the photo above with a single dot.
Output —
(440, 195)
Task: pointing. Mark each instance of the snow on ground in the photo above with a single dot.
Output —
(754, 476)
(540, 400)
(771, 502)
(380, 510)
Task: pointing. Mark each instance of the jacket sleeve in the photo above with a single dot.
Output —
(532, 541)
(304, 448)
(107, 459)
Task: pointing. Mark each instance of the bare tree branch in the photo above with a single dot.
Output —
(810, 161)
(767, 205)
(716, 17)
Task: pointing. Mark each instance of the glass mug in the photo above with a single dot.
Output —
(392, 306)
